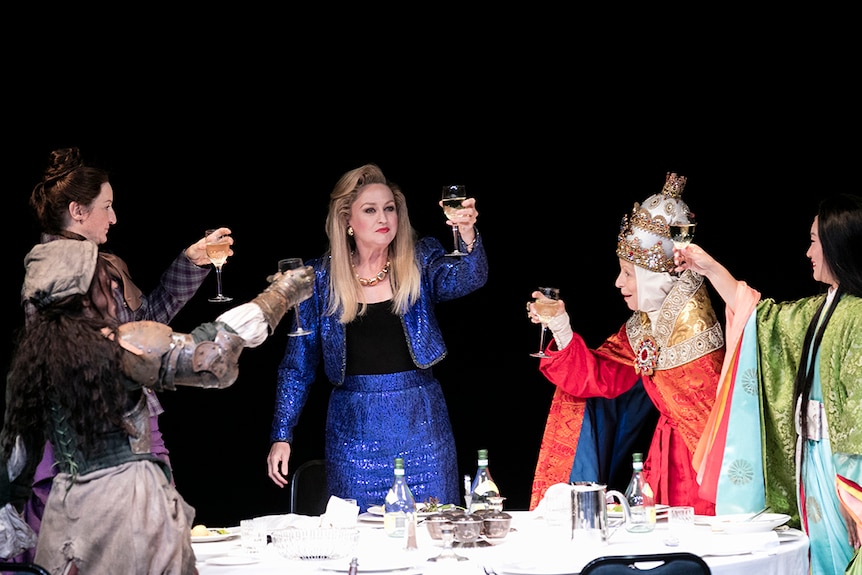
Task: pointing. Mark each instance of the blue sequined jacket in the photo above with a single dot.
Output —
(443, 278)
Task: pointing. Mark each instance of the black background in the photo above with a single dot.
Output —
(555, 145)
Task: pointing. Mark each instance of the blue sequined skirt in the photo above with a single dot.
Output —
(372, 419)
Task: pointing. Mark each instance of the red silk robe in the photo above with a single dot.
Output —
(682, 385)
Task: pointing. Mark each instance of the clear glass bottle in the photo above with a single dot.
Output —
(483, 485)
(641, 500)
(399, 507)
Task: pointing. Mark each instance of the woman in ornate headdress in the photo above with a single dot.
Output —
(795, 374)
(672, 345)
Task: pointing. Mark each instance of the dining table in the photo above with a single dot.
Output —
(532, 547)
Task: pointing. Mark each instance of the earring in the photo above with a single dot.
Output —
(349, 230)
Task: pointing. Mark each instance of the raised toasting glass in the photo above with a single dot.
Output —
(546, 308)
(452, 197)
(283, 266)
(683, 232)
(218, 248)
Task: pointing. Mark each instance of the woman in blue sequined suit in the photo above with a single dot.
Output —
(373, 322)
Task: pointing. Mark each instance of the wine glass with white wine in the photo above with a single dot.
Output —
(452, 197)
(283, 266)
(683, 232)
(546, 308)
(218, 248)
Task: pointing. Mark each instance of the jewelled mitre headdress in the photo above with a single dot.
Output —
(644, 237)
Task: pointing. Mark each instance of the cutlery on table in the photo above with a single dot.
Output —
(758, 514)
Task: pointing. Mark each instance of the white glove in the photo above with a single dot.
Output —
(562, 329)
(248, 322)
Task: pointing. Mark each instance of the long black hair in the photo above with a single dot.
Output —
(839, 227)
(65, 366)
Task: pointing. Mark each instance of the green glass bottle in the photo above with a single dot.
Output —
(399, 507)
(641, 500)
(483, 485)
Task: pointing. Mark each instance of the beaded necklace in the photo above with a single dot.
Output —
(368, 282)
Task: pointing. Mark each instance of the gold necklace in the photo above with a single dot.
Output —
(368, 282)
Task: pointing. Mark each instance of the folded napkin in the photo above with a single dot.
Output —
(273, 522)
(339, 513)
(556, 503)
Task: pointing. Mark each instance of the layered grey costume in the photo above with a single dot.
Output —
(113, 508)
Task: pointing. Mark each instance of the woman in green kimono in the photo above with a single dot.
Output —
(804, 360)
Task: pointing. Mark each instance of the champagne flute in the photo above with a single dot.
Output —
(452, 197)
(283, 266)
(682, 232)
(218, 248)
(546, 309)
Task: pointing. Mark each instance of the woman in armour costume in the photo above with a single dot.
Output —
(78, 379)
(74, 200)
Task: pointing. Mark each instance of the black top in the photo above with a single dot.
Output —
(376, 342)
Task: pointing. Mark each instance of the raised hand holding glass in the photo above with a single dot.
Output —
(451, 199)
(283, 266)
(546, 308)
(683, 232)
(218, 248)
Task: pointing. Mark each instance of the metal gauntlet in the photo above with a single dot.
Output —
(285, 291)
(160, 359)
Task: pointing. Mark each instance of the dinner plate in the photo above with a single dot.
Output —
(737, 523)
(233, 560)
(378, 510)
(789, 534)
(204, 551)
(726, 550)
(216, 536)
(541, 567)
(660, 511)
(367, 516)
(370, 564)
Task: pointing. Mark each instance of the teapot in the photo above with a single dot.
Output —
(590, 510)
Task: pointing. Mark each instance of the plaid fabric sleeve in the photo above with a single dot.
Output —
(177, 286)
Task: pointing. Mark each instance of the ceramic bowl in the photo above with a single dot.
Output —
(433, 523)
(496, 526)
(467, 529)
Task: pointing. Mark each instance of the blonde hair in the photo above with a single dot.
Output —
(345, 293)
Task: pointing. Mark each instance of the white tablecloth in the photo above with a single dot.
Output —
(532, 549)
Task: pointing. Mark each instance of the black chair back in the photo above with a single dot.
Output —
(680, 563)
(308, 491)
(9, 567)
